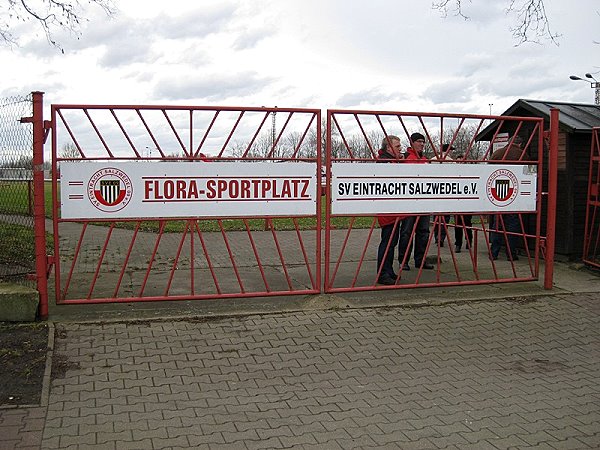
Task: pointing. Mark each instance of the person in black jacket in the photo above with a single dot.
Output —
(390, 151)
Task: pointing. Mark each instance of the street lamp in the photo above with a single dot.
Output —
(595, 84)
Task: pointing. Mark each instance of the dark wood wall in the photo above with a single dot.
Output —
(573, 173)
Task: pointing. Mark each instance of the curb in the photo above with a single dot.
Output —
(45, 396)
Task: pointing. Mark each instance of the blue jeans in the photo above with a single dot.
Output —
(512, 225)
(439, 228)
(420, 240)
(463, 220)
(389, 235)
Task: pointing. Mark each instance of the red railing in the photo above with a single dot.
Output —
(352, 240)
(591, 244)
(191, 251)
(260, 253)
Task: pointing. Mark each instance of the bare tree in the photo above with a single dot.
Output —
(49, 15)
(70, 151)
(532, 22)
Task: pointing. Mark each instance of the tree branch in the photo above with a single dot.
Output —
(50, 15)
(533, 24)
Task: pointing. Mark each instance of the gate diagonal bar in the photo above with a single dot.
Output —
(465, 195)
(185, 202)
(591, 243)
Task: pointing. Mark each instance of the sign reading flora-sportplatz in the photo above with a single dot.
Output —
(117, 190)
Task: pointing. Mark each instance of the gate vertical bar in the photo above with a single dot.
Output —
(552, 188)
(327, 192)
(591, 233)
(39, 216)
(319, 212)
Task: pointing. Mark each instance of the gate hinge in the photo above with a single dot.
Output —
(26, 120)
(49, 265)
(47, 128)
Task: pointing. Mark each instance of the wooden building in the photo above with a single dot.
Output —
(574, 147)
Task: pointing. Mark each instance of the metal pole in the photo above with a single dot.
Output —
(39, 217)
(552, 189)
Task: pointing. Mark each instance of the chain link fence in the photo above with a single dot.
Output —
(17, 252)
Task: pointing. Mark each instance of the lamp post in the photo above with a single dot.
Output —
(594, 84)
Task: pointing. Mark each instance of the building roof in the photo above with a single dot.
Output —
(574, 117)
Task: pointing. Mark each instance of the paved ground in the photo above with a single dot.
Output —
(443, 369)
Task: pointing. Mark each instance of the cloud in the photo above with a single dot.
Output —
(368, 97)
(451, 91)
(211, 87)
(250, 38)
(194, 24)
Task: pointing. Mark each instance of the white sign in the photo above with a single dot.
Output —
(145, 189)
(500, 141)
(410, 188)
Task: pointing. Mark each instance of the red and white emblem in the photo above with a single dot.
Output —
(502, 187)
(109, 189)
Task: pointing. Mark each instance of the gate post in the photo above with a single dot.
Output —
(551, 210)
(39, 215)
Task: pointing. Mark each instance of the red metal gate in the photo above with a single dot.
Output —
(190, 255)
(352, 241)
(591, 243)
(196, 256)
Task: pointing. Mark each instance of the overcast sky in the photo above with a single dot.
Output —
(377, 54)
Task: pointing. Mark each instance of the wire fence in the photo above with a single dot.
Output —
(17, 252)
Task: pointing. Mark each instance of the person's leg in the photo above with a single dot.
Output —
(458, 232)
(443, 230)
(385, 254)
(405, 245)
(513, 225)
(496, 235)
(421, 239)
(468, 222)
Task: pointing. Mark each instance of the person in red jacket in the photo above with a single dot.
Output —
(391, 151)
(414, 154)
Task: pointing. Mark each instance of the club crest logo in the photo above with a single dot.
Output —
(502, 187)
(109, 189)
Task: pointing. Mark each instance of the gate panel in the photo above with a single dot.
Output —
(122, 256)
(591, 244)
(352, 240)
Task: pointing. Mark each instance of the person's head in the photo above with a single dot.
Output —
(417, 142)
(391, 144)
(446, 150)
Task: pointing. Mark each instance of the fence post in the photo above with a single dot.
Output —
(39, 215)
(551, 209)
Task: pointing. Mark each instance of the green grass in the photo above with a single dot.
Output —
(17, 244)
(16, 197)
(208, 225)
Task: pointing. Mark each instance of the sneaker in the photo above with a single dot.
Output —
(514, 258)
(493, 258)
(386, 280)
(442, 244)
(405, 268)
(457, 249)
(426, 266)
